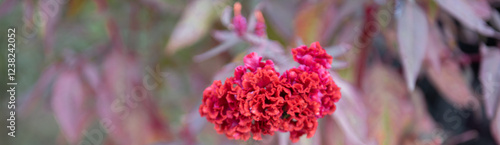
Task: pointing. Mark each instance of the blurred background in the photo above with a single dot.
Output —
(133, 72)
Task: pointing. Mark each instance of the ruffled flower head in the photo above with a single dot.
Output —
(259, 101)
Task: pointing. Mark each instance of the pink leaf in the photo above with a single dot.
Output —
(490, 78)
(481, 8)
(281, 13)
(43, 83)
(224, 35)
(68, 104)
(462, 11)
(347, 9)
(390, 108)
(412, 37)
(452, 85)
(194, 23)
(226, 16)
(217, 50)
(6, 6)
(434, 47)
(351, 115)
(125, 101)
(495, 125)
(121, 70)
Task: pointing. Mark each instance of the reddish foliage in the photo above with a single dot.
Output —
(258, 100)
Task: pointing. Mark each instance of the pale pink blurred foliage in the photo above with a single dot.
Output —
(380, 104)
(490, 71)
(112, 94)
(69, 97)
(496, 125)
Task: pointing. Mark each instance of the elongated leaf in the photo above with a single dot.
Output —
(226, 16)
(351, 115)
(337, 51)
(46, 78)
(68, 104)
(452, 85)
(224, 35)
(490, 78)
(125, 101)
(412, 37)
(481, 8)
(281, 13)
(347, 9)
(434, 47)
(495, 20)
(495, 126)
(389, 104)
(217, 50)
(6, 6)
(196, 20)
(122, 70)
(462, 11)
(308, 22)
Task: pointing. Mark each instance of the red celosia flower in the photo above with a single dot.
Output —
(259, 101)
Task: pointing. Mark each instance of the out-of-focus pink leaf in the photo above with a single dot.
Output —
(50, 12)
(345, 10)
(283, 138)
(196, 20)
(412, 33)
(162, 6)
(6, 6)
(337, 51)
(252, 21)
(125, 101)
(331, 132)
(462, 11)
(391, 110)
(225, 72)
(452, 84)
(68, 104)
(481, 8)
(91, 75)
(423, 124)
(271, 50)
(495, 125)
(349, 32)
(192, 125)
(308, 22)
(281, 13)
(111, 112)
(351, 115)
(495, 19)
(121, 71)
(490, 78)
(434, 47)
(217, 50)
(224, 35)
(462, 137)
(43, 83)
(226, 17)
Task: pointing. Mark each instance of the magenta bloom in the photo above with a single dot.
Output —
(259, 101)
